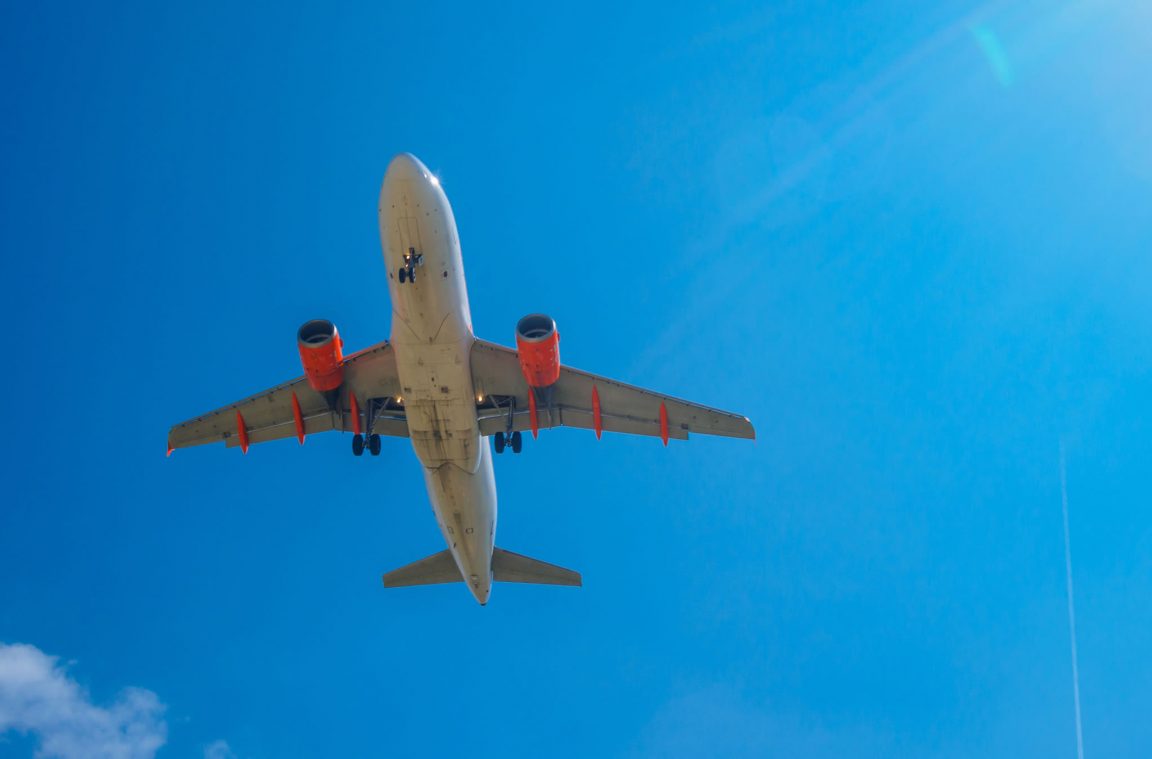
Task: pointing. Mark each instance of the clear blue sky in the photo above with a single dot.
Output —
(911, 241)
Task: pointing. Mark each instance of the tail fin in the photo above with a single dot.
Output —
(512, 567)
(435, 569)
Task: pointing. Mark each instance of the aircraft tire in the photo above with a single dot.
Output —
(517, 441)
(374, 444)
(499, 442)
(357, 445)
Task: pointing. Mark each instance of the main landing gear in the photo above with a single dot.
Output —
(512, 439)
(508, 437)
(360, 442)
(407, 272)
(374, 409)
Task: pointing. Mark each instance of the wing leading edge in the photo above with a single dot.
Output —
(624, 408)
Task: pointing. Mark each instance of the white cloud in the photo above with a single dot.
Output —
(37, 696)
(218, 750)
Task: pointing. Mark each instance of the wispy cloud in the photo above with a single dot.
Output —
(716, 721)
(38, 696)
(219, 750)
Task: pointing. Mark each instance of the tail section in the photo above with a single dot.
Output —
(512, 567)
(433, 570)
(506, 567)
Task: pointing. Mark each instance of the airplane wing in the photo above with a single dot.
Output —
(369, 375)
(580, 399)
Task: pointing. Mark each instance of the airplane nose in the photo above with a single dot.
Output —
(405, 166)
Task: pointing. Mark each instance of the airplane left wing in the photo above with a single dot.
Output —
(369, 375)
(588, 401)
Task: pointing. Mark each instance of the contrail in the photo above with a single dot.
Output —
(1071, 602)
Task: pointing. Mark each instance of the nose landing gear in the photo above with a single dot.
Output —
(407, 272)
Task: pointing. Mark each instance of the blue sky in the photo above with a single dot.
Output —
(909, 240)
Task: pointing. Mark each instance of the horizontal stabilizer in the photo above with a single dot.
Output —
(433, 570)
(512, 567)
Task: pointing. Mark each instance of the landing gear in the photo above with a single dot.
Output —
(511, 440)
(508, 437)
(374, 409)
(407, 272)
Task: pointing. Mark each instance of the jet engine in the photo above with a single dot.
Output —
(538, 343)
(321, 353)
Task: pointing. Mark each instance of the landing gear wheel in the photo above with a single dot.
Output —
(374, 444)
(499, 442)
(516, 441)
(403, 273)
(358, 445)
(411, 274)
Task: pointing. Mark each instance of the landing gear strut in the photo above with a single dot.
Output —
(508, 438)
(370, 441)
(407, 272)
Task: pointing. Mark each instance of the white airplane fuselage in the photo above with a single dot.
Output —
(432, 340)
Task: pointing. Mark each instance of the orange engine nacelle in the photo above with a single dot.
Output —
(321, 352)
(539, 345)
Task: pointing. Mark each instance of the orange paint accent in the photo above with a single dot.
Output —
(355, 414)
(597, 422)
(170, 449)
(663, 423)
(322, 358)
(298, 418)
(532, 412)
(242, 430)
(540, 359)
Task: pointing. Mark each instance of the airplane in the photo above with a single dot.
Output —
(437, 384)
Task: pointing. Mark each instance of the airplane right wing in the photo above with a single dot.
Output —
(588, 401)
